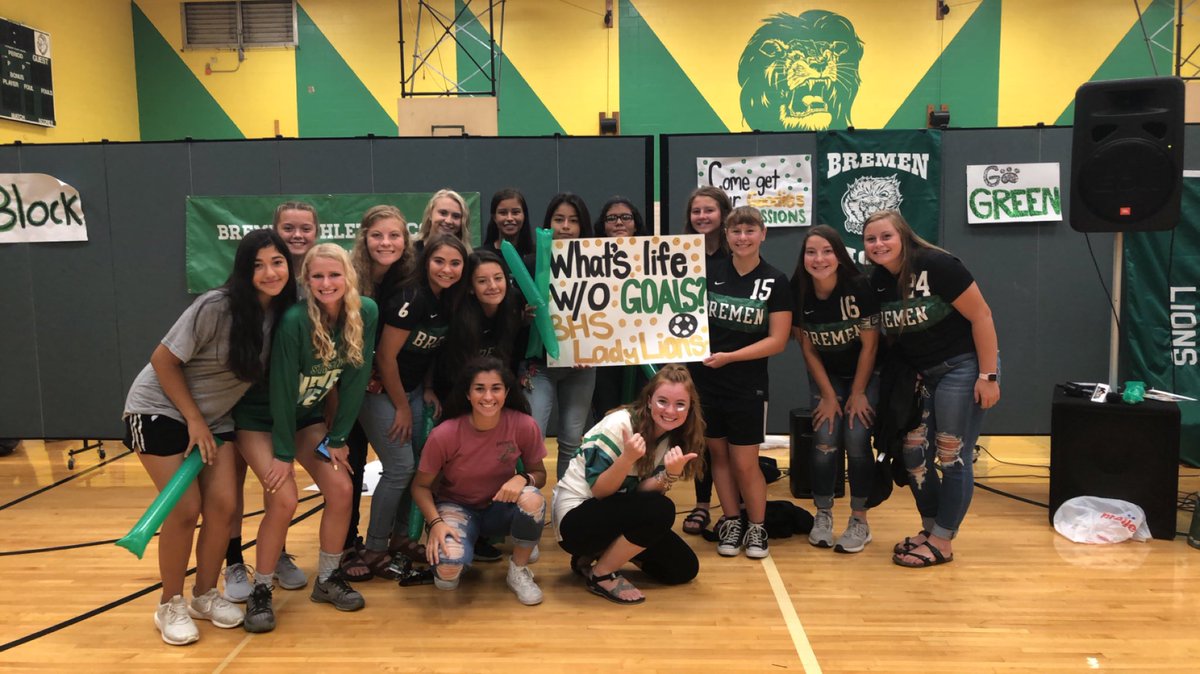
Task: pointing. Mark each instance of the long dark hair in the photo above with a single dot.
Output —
(581, 209)
(524, 242)
(467, 319)
(419, 276)
(639, 225)
(846, 271)
(458, 405)
(246, 325)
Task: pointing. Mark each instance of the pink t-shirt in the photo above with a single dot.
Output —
(474, 464)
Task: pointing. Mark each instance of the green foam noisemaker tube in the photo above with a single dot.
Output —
(416, 521)
(139, 536)
(649, 370)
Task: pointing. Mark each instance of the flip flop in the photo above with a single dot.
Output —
(593, 585)
(908, 544)
(937, 559)
(696, 521)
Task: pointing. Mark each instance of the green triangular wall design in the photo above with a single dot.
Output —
(968, 70)
(1130, 58)
(172, 104)
(339, 104)
(522, 113)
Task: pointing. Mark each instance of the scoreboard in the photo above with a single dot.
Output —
(26, 89)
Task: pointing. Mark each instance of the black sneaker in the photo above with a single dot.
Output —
(486, 552)
(729, 536)
(338, 592)
(260, 616)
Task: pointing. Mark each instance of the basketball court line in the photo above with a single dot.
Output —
(808, 659)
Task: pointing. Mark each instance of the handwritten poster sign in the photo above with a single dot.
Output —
(779, 186)
(1014, 193)
(629, 300)
(39, 208)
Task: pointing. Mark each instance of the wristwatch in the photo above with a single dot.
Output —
(988, 376)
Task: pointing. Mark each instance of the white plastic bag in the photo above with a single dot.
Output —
(1091, 519)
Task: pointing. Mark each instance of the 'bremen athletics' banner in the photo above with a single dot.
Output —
(1160, 312)
(215, 225)
(37, 208)
(862, 172)
(629, 300)
(780, 186)
(1014, 193)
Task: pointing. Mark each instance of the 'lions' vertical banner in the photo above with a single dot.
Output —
(866, 171)
(215, 225)
(1161, 312)
(629, 300)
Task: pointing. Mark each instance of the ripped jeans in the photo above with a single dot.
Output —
(849, 434)
(939, 452)
(522, 520)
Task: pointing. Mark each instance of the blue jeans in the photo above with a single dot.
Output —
(497, 519)
(849, 434)
(376, 417)
(938, 453)
(571, 389)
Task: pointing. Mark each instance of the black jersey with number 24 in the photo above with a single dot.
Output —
(927, 327)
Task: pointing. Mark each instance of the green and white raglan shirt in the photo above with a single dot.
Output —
(299, 381)
(833, 325)
(926, 326)
(739, 309)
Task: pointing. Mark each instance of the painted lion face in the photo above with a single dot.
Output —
(800, 73)
(868, 195)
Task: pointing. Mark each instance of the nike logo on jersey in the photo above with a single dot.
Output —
(809, 312)
(718, 283)
(433, 316)
(881, 290)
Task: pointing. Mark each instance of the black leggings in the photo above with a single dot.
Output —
(357, 443)
(645, 519)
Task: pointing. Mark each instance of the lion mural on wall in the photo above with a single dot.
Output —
(800, 73)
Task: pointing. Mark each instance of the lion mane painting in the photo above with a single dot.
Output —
(800, 73)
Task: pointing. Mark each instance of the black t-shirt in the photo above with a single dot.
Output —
(427, 320)
(739, 309)
(927, 328)
(833, 324)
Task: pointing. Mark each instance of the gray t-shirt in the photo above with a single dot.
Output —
(200, 338)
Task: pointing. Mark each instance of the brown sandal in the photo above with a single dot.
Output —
(411, 549)
(354, 567)
(383, 566)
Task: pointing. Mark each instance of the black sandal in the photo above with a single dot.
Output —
(697, 521)
(354, 567)
(581, 565)
(593, 584)
(925, 562)
(907, 544)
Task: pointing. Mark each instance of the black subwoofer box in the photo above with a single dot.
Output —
(800, 464)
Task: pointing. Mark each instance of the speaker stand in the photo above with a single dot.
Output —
(1114, 327)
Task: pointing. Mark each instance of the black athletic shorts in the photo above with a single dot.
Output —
(160, 435)
(741, 422)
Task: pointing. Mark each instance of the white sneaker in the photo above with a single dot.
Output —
(237, 584)
(534, 555)
(520, 581)
(213, 607)
(173, 621)
(289, 576)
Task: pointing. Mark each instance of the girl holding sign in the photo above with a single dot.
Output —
(749, 320)
(416, 319)
(446, 214)
(942, 326)
(182, 400)
(707, 208)
(837, 324)
(325, 342)
(473, 457)
(568, 388)
(611, 506)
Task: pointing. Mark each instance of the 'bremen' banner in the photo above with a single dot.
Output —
(629, 300)
(37, 208)
(215, 225)
(780, 186)
(1160, 310)
(866, 171)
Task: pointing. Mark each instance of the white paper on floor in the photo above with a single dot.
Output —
(370, 479)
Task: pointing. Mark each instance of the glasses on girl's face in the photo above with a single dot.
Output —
(624, 217)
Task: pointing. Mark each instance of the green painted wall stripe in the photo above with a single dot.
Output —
(331, 101)
(1130, 58)
(172, 103)
(521, 112)
(966, 76)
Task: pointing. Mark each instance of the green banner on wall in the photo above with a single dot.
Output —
(860, 172)
(1159, 312)
(215, 225)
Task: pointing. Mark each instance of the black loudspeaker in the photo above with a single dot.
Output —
(800, 462)
(1127, 155)
(1114, 450)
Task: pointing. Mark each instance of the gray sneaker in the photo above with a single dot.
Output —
(855, 538)
(822, 531)
(237, 584)
(260, 614)
(288, 575)
(338, 592)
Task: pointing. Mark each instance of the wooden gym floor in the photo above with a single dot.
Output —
(1018, 597)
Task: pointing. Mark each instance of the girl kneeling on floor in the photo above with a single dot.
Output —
(611, 505)
(487, 428)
